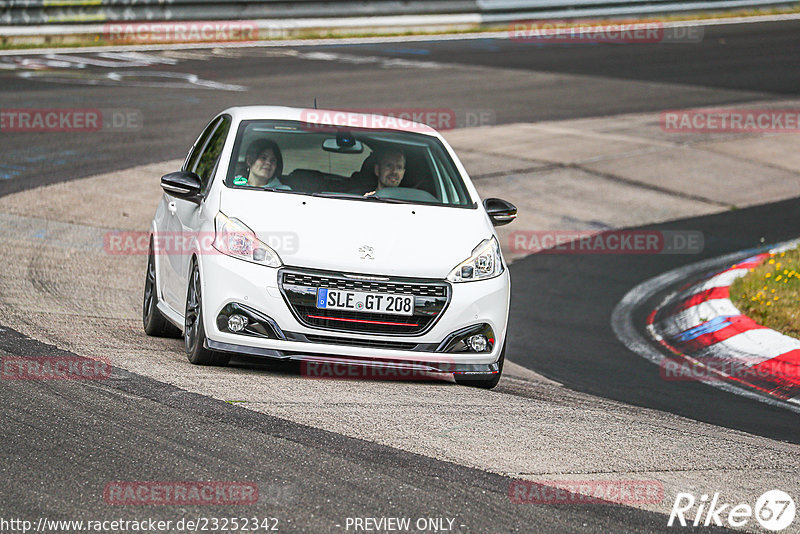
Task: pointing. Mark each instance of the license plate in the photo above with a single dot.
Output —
(337, 299)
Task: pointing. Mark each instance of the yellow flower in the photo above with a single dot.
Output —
(773, 291)
(778, 278)
(776, 298)
(767, 275)
(769, 303)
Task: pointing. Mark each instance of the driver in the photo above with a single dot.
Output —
(390, 167)
(264, 166)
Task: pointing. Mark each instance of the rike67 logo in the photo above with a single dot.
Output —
(774, 510)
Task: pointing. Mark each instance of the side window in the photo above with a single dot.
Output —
(197, 148)
(209, 157)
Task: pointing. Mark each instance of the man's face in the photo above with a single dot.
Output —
(390, 170)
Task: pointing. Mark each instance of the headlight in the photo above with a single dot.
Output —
(233, 238)
(485, 262)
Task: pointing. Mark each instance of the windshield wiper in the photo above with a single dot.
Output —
(279, 190)
(333, 194)
(360, 197)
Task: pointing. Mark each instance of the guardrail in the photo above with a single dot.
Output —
(79, 11)
(283, 12)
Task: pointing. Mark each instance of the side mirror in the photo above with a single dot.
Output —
(182, 184)
(500, 211)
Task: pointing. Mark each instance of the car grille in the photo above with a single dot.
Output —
(299, 288)
(423, 290)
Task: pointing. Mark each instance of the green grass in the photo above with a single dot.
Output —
(78, 43)
(770, 293)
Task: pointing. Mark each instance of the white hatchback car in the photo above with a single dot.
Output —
(329, 237)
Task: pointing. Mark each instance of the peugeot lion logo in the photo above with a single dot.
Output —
(366, 252)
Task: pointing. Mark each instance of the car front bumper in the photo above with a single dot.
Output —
(230, 281)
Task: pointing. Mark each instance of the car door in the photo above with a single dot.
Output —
(188, 214)
(171, 230)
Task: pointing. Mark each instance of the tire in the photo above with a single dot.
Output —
(483, 381)
(155, 324)
(194, 333)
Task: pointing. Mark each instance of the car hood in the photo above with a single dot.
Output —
(336, 234)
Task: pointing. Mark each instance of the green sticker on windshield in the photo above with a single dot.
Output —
(240, 180)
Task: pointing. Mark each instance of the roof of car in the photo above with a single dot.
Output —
(395, 119)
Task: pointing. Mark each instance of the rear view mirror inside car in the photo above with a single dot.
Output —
(343, 144)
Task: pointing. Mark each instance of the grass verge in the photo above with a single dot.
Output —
(81, 40)
(770, 293)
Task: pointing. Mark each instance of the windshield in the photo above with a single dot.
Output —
(357, 164)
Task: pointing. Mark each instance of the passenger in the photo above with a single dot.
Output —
(264, 166)
(390, 167)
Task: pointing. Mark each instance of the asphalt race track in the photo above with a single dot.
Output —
(60, 439)
(596, 362)
(736, 63)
